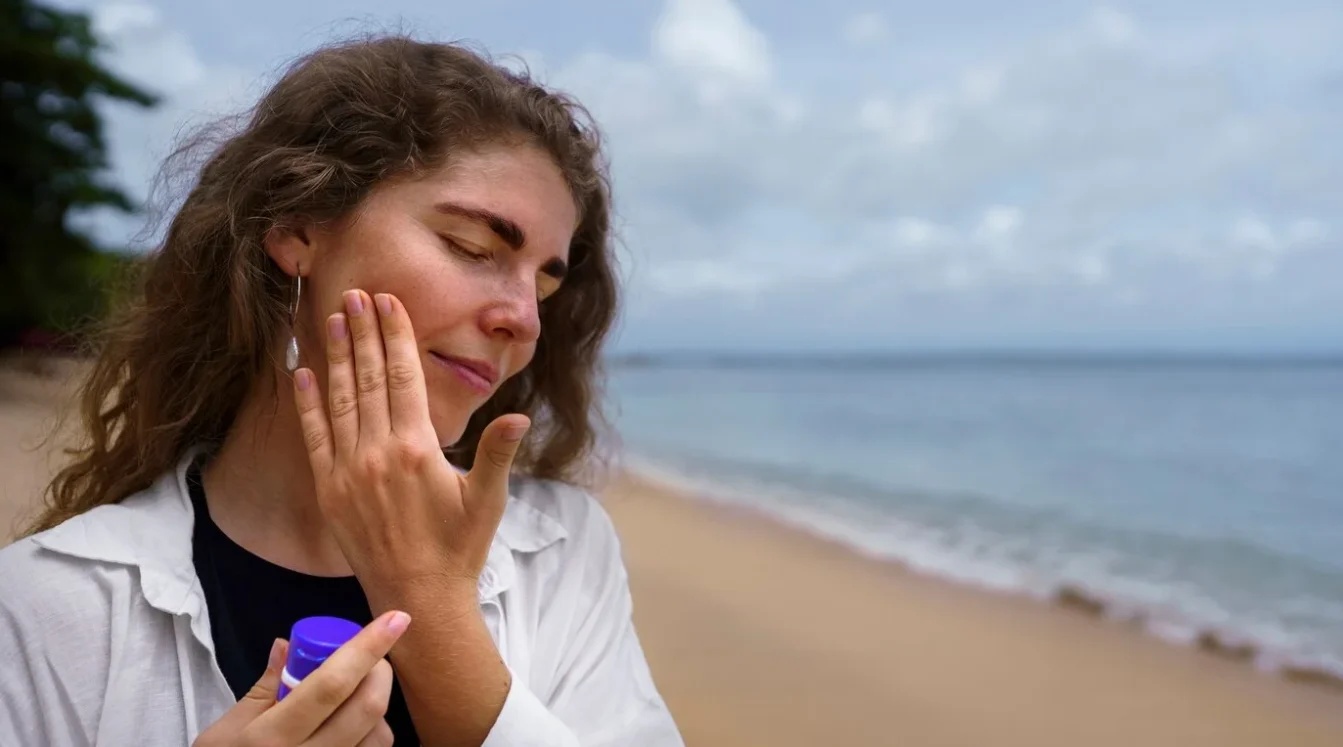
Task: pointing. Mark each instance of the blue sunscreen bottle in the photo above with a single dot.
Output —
(311, 641)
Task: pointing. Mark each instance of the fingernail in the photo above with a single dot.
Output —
(515, 432)
(276, 660)
(336, 327)
(384, 302)
(397, 624)
(304, 378)
(354, 302)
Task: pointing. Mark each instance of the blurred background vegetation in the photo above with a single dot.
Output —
(54, 279)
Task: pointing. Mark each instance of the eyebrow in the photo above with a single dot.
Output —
(507, 230)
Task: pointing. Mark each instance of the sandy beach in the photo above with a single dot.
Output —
(28, 408)
(762, 635)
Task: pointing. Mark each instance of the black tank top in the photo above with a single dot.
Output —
(252, 602)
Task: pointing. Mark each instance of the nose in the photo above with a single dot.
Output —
(513, 314)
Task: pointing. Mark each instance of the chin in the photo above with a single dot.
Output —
(449, 438)
(450, 429)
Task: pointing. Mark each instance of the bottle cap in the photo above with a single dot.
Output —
(313, 639)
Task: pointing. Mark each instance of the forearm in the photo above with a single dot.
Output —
(454, 681)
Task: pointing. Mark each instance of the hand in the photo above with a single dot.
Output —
(400, 511)
(341, 704)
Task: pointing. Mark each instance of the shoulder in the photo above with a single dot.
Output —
(79, 630)
(31, 573)
(55, 631)
(563, 516)
(39, 586)
(578, 583)
(82, 568)
(570, 554)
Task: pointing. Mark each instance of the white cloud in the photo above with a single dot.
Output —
(1113, 26)
(916, 232)
(1092, 269)
(698, 276)
(980, 85)
(143, 48)
(1306, 231)
(1253, 233)
(117, 17)
(876, 113)
(1128, 160)
(959, 276)
(1250, 232)
(864, 28)
(907, 125)
(711, 38)
(1000, 221)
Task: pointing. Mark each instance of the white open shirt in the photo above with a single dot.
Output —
(105, 638)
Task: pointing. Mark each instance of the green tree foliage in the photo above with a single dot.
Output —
(52, 161)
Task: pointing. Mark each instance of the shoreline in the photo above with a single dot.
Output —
(791, 507)
(893, 655)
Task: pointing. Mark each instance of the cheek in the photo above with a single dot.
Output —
(435, 291)
(438, 303)
(520, 358)
(385, 251)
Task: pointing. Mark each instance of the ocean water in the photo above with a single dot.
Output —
(1195, 498)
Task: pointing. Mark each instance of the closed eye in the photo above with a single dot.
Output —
(550, 278)
(460, 249)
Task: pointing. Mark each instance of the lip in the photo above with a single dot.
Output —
(478, 374)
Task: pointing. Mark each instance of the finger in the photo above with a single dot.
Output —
(313, 421)
(370, 366)
(257, 700)
(303, 711)
(358, 717)
(342, 400)
(487, 482)
(381, 736)
(407, 399)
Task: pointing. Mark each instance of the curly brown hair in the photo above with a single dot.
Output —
(168, 374)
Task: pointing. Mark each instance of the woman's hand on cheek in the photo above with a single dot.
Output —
(403, 515)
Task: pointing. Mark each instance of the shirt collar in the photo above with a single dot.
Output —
(152, 531)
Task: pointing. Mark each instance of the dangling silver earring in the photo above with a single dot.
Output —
(291, 352)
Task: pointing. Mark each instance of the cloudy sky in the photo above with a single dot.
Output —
(906, 175)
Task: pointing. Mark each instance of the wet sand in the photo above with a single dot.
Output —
(760, 634)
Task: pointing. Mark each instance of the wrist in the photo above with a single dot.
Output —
(443, 595)
(452, 675)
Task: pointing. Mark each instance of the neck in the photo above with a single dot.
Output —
(259, 487)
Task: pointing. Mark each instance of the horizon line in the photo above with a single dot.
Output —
(967, 355)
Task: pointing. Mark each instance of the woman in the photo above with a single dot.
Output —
(384, 295)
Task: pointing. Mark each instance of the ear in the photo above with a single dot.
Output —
(291, 247)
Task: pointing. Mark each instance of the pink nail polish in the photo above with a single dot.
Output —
(398, 623)
(337, 328)
(304, 379)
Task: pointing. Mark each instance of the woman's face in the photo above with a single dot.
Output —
(470, 250)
